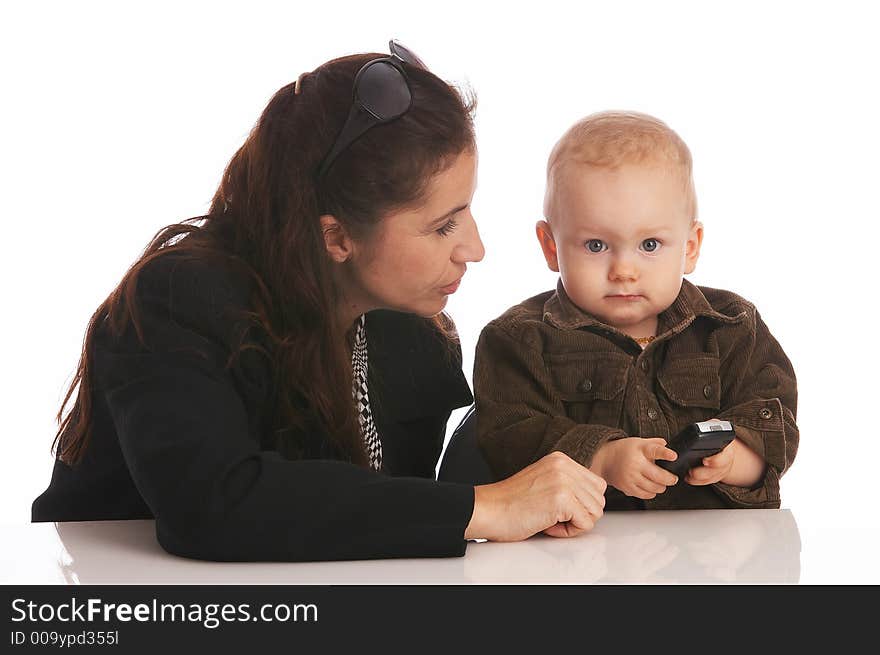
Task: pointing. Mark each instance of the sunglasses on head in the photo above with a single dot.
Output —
(381, 94)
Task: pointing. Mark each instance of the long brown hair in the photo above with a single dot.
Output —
(264, 218)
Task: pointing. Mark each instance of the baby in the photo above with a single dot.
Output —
(626, 352)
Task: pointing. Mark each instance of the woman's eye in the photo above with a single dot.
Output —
(650, 245)
(596, 245)
(450, 225)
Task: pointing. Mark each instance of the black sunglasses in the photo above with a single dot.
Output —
(381, 94)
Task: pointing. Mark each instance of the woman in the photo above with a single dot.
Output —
(272, 381)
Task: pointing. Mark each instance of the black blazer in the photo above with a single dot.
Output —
(180, 436)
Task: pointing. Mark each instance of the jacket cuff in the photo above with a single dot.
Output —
(760, 425)
(765, 495)
(581, 442)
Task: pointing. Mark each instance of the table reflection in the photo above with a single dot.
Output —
(700, 546)
(718, 546)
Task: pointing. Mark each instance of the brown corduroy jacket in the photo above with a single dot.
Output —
(548, 376)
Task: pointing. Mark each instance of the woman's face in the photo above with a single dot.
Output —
(415, 258)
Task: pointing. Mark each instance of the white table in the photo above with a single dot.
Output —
(708, 546)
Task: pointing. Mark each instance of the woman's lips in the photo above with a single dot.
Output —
(449, 289)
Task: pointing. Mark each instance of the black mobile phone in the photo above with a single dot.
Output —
(696, 441)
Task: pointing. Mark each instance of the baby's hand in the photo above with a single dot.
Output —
(714, 468)
(628, 465)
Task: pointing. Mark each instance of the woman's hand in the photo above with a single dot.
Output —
(628, 465)
(555, 495)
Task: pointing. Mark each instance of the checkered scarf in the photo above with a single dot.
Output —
(361, 397)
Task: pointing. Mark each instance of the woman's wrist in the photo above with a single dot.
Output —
(481, 518)
(597, 462)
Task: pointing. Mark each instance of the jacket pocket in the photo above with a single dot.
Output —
(692, 382)
(591, 389)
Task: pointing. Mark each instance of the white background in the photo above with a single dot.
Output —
(117, 121)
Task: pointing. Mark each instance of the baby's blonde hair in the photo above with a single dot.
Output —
(610, 139)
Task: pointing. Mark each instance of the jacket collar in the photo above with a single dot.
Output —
(414, 372)
(562, 313)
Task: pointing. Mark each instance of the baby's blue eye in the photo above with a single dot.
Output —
(650, 245)
(595, 245)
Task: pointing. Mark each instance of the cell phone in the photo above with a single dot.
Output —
(696, 441)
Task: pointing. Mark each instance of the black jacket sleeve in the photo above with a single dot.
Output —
(185, 436)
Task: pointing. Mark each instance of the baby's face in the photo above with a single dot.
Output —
(623, 240)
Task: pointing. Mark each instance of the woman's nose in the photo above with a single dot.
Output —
(470, 249)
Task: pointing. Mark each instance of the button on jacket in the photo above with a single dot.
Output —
(548, 376)
(180, 436)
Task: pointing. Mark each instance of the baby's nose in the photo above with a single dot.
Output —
(623, 268)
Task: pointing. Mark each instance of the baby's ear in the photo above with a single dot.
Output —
(692, 247)
(548, 245)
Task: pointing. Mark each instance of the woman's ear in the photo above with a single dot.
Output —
(548, 245)
(336, 239)
(692, 247)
